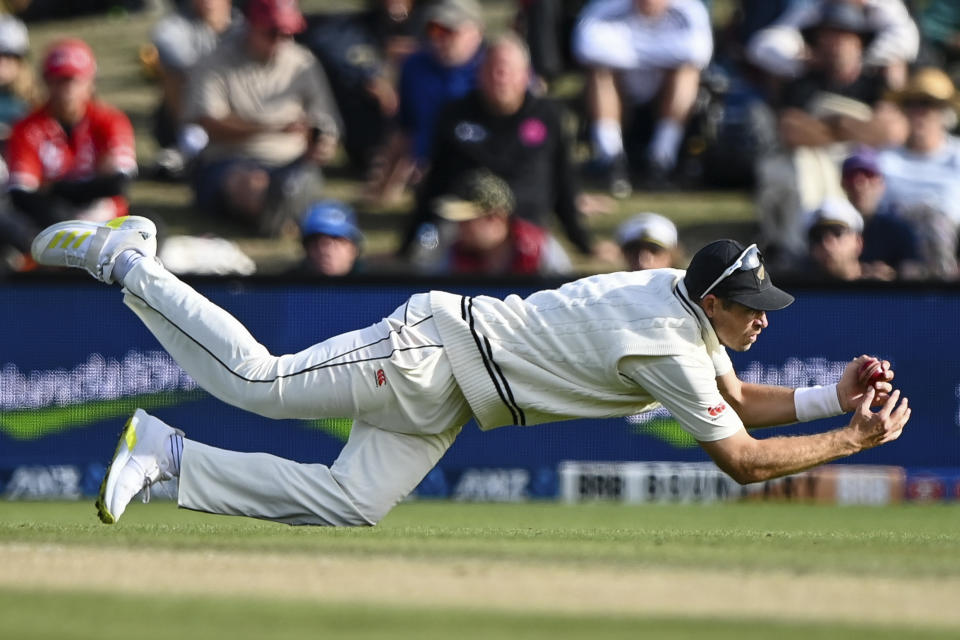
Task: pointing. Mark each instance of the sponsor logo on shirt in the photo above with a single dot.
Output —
(470, 132)
(532, 132)
(716, 410)
(381, 378)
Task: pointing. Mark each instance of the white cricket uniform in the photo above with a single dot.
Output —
(609, 345)
(610, 33)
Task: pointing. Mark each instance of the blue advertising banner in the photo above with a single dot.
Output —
(75, 362)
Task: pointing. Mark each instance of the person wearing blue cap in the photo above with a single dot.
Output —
(331, 239)
(890, 244)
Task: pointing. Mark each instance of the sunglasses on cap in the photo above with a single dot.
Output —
(748, 260)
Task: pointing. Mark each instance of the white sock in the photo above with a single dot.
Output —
(175, 444)
(123, 263)
(607, 140)
(666, 143)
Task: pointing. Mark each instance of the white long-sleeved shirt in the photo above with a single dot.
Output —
(604, 346)
(610, 33)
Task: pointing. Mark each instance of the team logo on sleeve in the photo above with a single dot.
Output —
(381, 378)
(717, 410)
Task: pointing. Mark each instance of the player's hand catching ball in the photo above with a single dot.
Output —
(862, 373)
(869, 429)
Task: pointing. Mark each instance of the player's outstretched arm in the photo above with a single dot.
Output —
(747, 459)
(760, 405)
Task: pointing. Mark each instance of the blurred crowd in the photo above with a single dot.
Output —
(838, 115)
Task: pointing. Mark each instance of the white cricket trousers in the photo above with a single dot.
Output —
(392, 378)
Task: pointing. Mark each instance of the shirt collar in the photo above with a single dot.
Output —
(706, 329)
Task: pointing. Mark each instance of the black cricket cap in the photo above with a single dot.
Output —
(752, 287)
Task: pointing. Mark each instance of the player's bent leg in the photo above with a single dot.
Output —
(374, 472)
(227, 361)
(378, 468)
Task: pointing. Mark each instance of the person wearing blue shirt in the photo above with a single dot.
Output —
(444, 69)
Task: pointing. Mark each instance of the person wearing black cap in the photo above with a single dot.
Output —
(608, 345)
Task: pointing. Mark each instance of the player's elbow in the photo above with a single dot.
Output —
(740, 474)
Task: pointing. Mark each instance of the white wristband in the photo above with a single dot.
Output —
(813, 403)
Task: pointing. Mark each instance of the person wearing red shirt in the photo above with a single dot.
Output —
(73, 157)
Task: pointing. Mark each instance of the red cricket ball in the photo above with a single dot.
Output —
(878, 375)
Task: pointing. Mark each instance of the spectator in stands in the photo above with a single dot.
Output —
(547, 26)
(643, 59)
(18, 92)
(781, 51)
(923, 175)
(519, 137)
(835, 104)
(890, 244)
(834, 232)
(489, 239)
(926, 168)
(181, 39)
(272, 122)
(648, 241)
(331, 239)
(940, 26)
(444, 69)
(73, 157)
(362, 52)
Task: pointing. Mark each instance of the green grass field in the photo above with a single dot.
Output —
(444, 570)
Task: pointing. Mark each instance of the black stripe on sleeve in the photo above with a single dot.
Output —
(466, 306)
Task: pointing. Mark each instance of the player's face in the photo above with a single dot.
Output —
(454, 46)
(651, 8)
(864, 189)
(646, 255)
(836, 249)
(737, 326)
(504, 78)
(483, 234)
(264, 42)
(331, 255)
(69, 97)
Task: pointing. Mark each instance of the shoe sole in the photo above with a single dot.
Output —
(128, 440)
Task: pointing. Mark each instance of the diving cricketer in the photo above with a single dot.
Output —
(607, 345)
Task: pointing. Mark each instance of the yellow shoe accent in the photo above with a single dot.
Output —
(80, 239)
(56, 239)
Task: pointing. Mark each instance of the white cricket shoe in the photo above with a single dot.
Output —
(92, 245)
(143, 457)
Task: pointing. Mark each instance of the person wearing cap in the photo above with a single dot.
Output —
(501, 127)
(18, 92)
(648, 241)
(837, 103)
(443, 69)
(73, 156)
(890, 242)
(331, 239)
(780, 50)
(608, 345)
(180, 40)
(925, 170)
(643, 61)
(490, 240)
(266, 105)
(834, 235)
